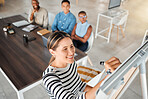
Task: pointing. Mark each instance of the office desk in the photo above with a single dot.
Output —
(109, 17)
(22, 65)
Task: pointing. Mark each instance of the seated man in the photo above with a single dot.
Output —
(65, 20)
(38, 15)
(81, 32)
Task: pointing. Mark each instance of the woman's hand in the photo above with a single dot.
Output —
(112, 64)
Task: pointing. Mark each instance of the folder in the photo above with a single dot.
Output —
(43, 32)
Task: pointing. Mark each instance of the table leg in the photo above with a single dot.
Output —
(84, 62)
(122, 31)
(20, 95)
(97, 26)
(117, 33)
(143, 80)
(89, 61)
(10, 82)
(109, 33)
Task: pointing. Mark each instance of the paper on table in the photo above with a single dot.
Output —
(29, 28)
(20, 23)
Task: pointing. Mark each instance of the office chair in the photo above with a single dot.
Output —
(90, 42)
(51, 17)
(118, 23)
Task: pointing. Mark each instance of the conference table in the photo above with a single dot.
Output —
(22, 65)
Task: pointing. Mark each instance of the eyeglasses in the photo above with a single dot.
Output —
(83, 17)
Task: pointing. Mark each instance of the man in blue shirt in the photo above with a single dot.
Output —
(65, 20)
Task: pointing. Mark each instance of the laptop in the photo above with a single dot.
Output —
(114, 6)
(20, 23)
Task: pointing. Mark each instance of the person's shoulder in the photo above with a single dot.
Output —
(43, 9)
(89, 26)
(49, 70)
(58, 14)
(72, 15)
(74, 64)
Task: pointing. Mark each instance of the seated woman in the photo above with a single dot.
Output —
(81, 32)
(61, 79)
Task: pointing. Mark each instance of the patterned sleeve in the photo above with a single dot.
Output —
(53, 85)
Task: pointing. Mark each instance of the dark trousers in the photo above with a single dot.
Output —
(80, 45)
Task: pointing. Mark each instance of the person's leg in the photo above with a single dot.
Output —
(75, 43)
(83, 46)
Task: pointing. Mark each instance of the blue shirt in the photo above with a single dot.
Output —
(64, 22)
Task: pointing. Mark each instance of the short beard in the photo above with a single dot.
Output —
(38, 7)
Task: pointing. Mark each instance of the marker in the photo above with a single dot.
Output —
(102, 63)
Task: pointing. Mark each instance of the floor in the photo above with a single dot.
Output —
(134, 32)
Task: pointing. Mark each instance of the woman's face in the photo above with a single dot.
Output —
(64, 53)
(82, 17)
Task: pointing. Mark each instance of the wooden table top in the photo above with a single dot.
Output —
(22, 64)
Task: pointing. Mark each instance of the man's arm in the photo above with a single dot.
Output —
(86, 36)
(31, 16)
(73, 32)
(54, 25)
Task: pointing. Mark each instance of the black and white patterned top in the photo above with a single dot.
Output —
(64, 83)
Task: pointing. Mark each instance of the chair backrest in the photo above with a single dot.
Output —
(90, 42)
(51, 18)
(122, 20)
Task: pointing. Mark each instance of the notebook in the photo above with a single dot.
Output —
(43, 32)
(20, 23)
